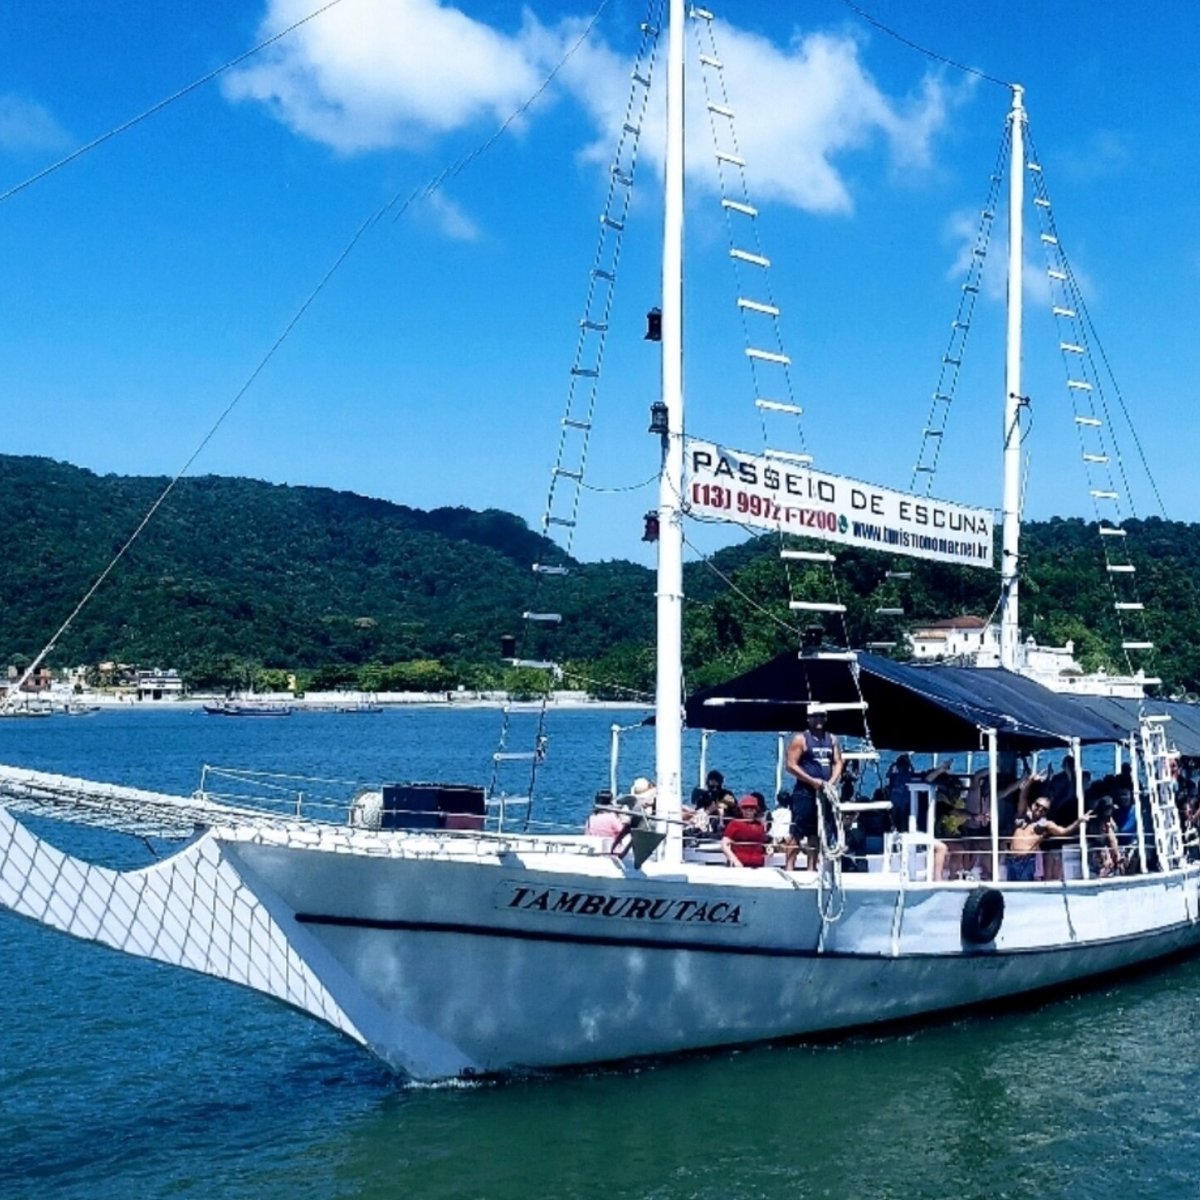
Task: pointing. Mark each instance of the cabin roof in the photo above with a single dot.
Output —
(909, 706)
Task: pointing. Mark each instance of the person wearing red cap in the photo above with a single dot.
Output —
(744, 842)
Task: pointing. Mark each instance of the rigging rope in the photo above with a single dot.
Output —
(80, 151)
(933, 436)
(733, 587)
(570, 465)
(629, 487)
(1093, 337)
(1116, 387)
(429, 189)
(933, 54)
(1089, 397)
(633, 693)
(457, 168)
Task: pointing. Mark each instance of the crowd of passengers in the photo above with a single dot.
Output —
(1037, 811)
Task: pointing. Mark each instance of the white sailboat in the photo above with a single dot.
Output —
(451, 950)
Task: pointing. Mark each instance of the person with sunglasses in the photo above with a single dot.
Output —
(1032, 829)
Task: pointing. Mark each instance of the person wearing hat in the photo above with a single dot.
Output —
(814, 758)
(638, 804)
(744, 842)
(645, 796)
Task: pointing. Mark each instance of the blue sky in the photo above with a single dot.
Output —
(143, 283)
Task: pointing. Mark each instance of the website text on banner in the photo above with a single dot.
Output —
(765, 493)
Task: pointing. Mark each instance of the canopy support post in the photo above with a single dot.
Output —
(1137, 804)
(994, 799)
(1076, 754)
(614, 753)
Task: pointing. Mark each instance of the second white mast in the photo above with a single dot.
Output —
(1010, 563)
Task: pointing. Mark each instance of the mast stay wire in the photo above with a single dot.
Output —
(933, 54)
(1093, 335)
(975, 71)
(728, 580)
(80, 151)
(1116, 387)
(429, 189)
(614, 488)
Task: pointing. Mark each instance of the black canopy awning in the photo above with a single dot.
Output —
(922, 708)
(1183, 728)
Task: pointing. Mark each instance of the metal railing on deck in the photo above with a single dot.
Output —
(304, 797)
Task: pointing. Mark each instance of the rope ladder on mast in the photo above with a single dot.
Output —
(811, 576)
(1108, 490)
(523, 740)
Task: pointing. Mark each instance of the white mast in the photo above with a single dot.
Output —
(1010, 549)
(668, 734)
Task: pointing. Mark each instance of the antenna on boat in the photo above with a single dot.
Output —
(668, 735)
(1010, 547)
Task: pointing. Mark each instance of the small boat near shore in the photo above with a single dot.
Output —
(26, 709)
(250, 708)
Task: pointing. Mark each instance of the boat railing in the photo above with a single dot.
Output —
(504, 811)
(305, 797)
(339, 801)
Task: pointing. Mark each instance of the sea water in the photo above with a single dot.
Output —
(120, 1077)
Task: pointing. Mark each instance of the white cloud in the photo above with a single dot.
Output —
(1106, 154)
(26, 125)
(798, 109)
(449, 217)
(962, 230)
(380, 73)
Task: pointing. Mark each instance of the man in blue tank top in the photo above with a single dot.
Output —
(814, 758)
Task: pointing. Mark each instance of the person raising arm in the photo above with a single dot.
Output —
(1031, 832)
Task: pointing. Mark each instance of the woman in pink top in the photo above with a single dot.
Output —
(606, 823)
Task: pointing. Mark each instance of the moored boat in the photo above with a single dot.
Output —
(249, 708)
(26, 706)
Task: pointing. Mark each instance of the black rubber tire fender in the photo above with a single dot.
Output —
(982, 916)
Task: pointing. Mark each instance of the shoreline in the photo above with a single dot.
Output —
(333, 702)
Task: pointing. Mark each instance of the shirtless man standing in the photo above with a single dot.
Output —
(1029, 834)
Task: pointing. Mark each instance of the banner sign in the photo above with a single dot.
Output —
(777, 495)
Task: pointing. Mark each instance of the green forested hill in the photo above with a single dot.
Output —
(234, 571)
(235, 576)
(1065, 595)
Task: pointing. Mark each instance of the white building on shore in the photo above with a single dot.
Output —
(159, 685)
(973, 641)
